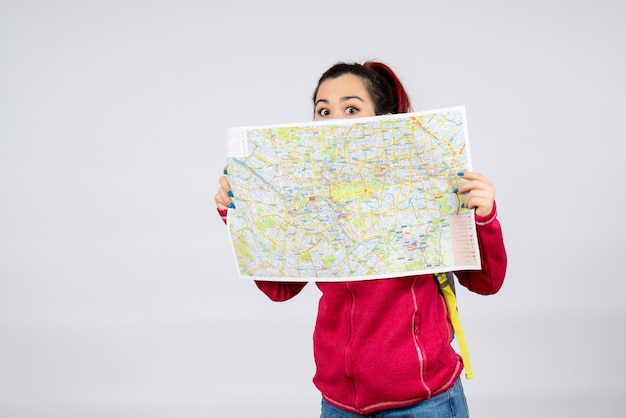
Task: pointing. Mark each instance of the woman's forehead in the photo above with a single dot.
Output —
(344, 85)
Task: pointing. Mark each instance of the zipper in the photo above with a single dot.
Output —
(417, 340)
(348, 350)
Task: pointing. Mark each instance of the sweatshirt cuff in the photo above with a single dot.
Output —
(486, 220)
(223, 214)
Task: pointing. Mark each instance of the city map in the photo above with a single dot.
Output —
(351, 199)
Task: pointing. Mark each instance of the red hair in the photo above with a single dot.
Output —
(403, 102)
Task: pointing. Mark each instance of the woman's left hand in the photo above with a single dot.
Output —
(480, 193)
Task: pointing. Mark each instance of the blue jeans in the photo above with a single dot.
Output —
(450, 404)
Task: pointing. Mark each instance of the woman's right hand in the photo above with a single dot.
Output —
(223, 198)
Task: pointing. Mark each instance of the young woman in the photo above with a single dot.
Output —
(383, 346)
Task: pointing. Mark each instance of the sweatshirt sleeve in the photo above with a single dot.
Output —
(280, 291)
(493, 257)
(223, 214)
(276, 291)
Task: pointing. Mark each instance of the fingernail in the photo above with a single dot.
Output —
(230, 194)
(225, 171)
(231, 205)
(460, 174)
(456, 190)
(462, 205)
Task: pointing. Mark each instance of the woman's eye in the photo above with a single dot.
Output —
(323, 112)
(351, 110)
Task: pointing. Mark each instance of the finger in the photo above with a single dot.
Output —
(481, 201)
(481, 208)
(219, 202)
(223, 182)
(225, 187)
(469, 186)
(476, 183)
(223, 198)
(472, 175)
(479, 194)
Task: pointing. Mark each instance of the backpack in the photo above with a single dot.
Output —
(447, 289)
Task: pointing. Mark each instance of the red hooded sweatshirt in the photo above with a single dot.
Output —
(386, 343)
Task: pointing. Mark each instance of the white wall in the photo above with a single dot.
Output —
(118, 289)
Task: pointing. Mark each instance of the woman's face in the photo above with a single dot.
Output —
(343, 97)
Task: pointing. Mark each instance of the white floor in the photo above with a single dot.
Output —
(262, 367)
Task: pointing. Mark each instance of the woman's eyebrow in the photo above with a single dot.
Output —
(346, 98)
(343, 99)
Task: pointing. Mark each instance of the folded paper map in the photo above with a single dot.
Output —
(351, 199)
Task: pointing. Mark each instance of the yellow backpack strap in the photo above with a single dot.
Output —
(450, 297)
